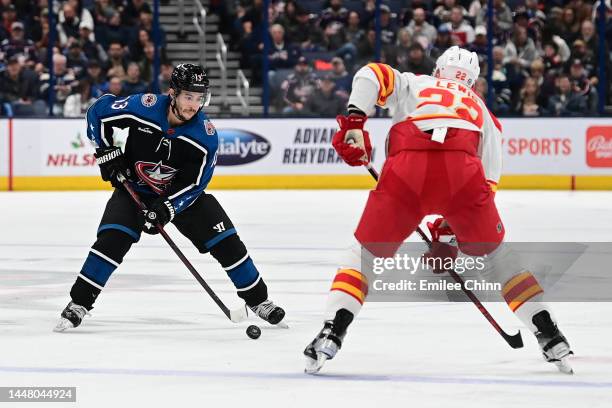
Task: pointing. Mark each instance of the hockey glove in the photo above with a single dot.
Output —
(352, 142)
(112, 162)
(161, 212)
(443, 252)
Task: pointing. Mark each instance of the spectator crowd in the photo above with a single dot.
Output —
(545, 53)
(99, 46)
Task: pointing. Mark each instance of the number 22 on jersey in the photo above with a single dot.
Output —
(465, 106)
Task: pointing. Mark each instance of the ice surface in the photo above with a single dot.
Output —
(155, 339)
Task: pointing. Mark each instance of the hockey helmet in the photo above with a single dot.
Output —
(192, 78)
(458, 64)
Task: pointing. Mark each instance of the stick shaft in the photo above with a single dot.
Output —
(179, 253)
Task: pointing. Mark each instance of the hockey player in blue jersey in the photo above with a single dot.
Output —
(169, 155)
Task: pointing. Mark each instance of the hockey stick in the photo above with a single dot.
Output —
(235, 316)
(515, 341)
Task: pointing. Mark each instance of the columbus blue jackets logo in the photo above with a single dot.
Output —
(210, 128)
(158, 176)
(148, 100)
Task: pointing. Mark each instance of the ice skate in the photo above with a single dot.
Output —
(327, 343)
(71, 317)
(269, 312)
(554, 345)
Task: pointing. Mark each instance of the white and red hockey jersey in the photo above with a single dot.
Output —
(430, 103)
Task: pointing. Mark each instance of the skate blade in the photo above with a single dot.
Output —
(314, 366)
(564, 366)
(239, 315)
(282, 325)
(63, 325)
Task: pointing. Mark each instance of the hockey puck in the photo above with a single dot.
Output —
(253, 332)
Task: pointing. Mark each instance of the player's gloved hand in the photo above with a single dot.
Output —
(352, 142)
(443, 246)
(112, 163)
(161, 211)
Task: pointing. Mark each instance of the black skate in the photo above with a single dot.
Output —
(269, 312)
(554, 345)
(327, 343)
(71, 317)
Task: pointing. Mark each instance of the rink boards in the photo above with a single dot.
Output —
(554, 153)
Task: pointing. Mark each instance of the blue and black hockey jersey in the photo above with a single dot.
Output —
(177, 163)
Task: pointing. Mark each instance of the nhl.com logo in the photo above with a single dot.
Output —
(237, 146)
(599, 146)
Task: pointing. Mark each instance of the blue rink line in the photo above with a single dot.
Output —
(260, 248)
(306, 377)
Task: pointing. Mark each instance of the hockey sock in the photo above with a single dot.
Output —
(104, 257)
(523, 294)
(234, 258)
(348, 291)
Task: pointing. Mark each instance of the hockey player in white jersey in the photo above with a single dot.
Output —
(444, 156)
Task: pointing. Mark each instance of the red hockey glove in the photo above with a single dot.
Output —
(352, 142)
(443, 251)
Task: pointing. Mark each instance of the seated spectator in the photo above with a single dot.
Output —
(305, 33)
(442, 13)
(417, 62)
(502, 18)
(571, 26)
(388, 28)
(553, 63)
(133, 83)
(147, 64)
(334, 14)
(325, 101)
(76, 60)
(419, 28)
(18, 46)
(504, 76)
(282, 54)
(298, 87)
(65, 82)
(103, 11)
(68, 25)
(165, 75)
(92, 49)
(354, 31)
(131, 13)
(9, 16)
(18, 86)
(520, 50)
(76, 105)
(587, 57)
(117, 63)
(480, 44)
(546, 83)
(342, 79)
(113, 32)
(96, 79)
(443, 42)
(582, 85)
(398, 55)
(146, 23)
(566, 102)
(459, 27)
(588, 35)
(137, 47)
(366, 48)
(115, 86)
(529, 101)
